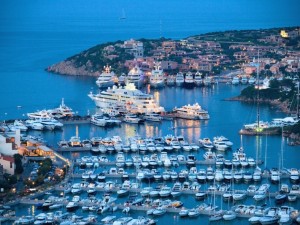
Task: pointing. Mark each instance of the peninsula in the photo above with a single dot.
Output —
(211, 53)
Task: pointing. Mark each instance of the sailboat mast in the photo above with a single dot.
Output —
(257, 96)
(298, 116)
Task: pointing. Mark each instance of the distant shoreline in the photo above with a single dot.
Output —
(282, 106)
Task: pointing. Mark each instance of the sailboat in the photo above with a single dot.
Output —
(259, 127)
(216, 215)
(281, 197)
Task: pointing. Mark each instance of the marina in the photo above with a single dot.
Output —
(106, 163)
(132, 109)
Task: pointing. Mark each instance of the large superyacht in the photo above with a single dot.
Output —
(128, 97)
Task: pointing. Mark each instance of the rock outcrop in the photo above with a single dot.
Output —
(69, 68)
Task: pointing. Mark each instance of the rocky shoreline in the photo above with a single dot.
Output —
(69, 68)
(282, 106)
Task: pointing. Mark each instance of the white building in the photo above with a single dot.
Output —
(9, 143)
(8, 163)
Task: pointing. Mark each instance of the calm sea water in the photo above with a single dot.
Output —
(36, 34)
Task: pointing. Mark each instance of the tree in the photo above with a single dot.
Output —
(18, 161)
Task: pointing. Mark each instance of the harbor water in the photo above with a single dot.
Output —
(34, 35)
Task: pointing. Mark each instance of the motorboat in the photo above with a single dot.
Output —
(154, 117)
(215, 217)
(294, 175)
(254, 220)
(165, 191)
(50, 123)
(127, 98)
(106, 78)
(25, 220)
(34, 125)
(194, 212)
(18, 125)
(264, 220)
(280, 198)
(75, 141)
(206, 143)
(47, 204)
(183, 212)
(275, 176)
(229, 215)
(72, 206)
(238, 196)
(209, 155)
(99, 120)
(193, 112)
(200, 195)
(159, 211)
(132, 118)
(261, 193)
(176, 190)
(223, 139)
(220, 145)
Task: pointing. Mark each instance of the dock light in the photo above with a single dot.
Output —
(259, 129)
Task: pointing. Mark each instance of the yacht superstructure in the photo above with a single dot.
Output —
(194, 111)
(106, 78)
(157, 77)
(136, 76)
(129, 98)
(179, 80)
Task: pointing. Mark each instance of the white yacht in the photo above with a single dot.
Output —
(179, 79)
(157, 77)
(50, 123)
(61, 112)
(194, 112)
(223, 139)
(106, 78)
(244, 80)
(251, 80)
(39, 115)
(207, 81)
(122, 79)
(198, 79)
(129, 98)
(235, 80)
(189, 80)
(171, 80)
(154, 117)
(132, 118)
(206, 143)
(75, 142)
(34, 125)
(136, 76)
(98, 120)
(18, 125)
